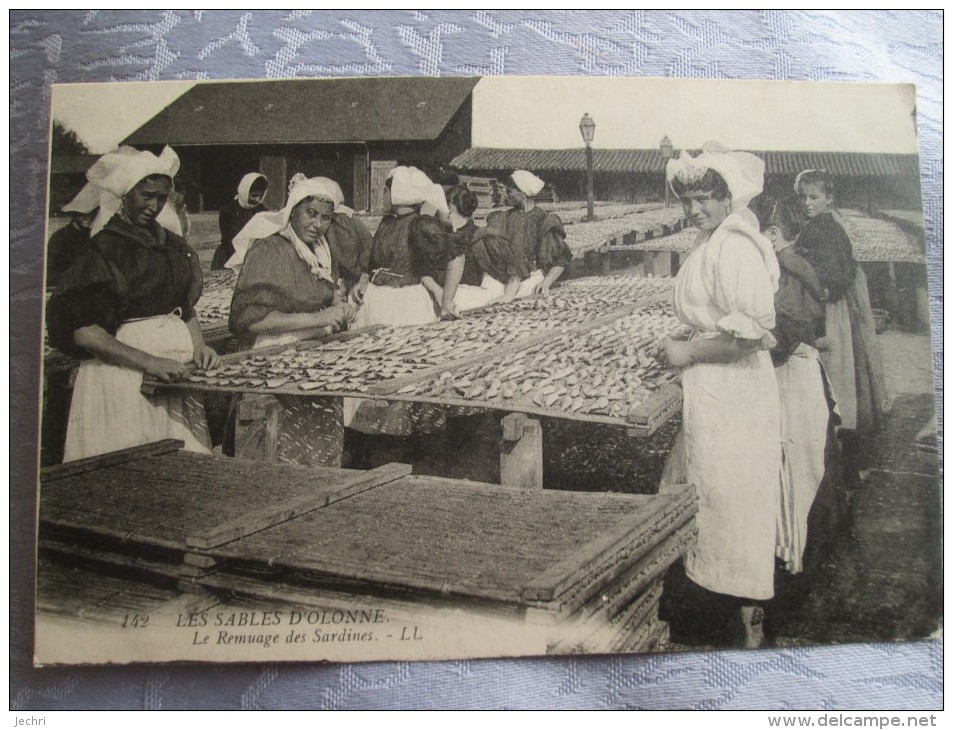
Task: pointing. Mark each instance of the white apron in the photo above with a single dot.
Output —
(730, 442)
(804, 421)
(108, 411)
(395, 306)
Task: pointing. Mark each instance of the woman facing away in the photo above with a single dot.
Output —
(235, 214)
(805, 407)
(729, 446)
(481, 262)
(402, 252)
(538, 236)
(852, 358)
(126, 306)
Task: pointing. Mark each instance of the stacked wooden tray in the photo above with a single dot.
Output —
(585, 569)
(151, 508)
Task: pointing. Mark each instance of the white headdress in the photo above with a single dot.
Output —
(119, 171)
(245, 185)
(409, 186)
(527, 182)
(436, 201)
(742, 172)
(265, 224)
(86, 200)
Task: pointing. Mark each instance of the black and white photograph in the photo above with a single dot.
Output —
(417, 368)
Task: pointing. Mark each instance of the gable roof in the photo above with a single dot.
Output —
(651, 161)
(308, 111)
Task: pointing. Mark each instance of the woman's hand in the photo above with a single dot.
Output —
(167, 370)
(205, 358)
(449, 312)
(358, 290)
(337, 316)
(677, 353)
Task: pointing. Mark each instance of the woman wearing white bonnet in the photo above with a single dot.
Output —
(126, 307)
(287, 283)
(538, 237)
(394, 295)
(729, 446)
(71, 241)
(235, 214)
(289, 289)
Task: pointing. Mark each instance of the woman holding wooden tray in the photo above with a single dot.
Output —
(126, 306)
(730, 443)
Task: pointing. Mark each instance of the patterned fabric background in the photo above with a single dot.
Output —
(76, 46)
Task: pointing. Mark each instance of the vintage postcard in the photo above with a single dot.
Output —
(437, 368)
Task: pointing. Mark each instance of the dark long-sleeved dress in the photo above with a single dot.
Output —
(140, 285)
(65, 246)
(798, 305)
(539, 235)
(487, 252)
(405, 248)
(274, 278)
(231, 219)
(852, 358)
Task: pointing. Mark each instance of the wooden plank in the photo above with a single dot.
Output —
(263, 518)
(559, 577)
(521, 458)
(81, 554)
(659, 402)
(93, 463)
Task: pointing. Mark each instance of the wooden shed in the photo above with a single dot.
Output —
(351, 130)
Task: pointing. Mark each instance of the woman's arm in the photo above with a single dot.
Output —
(450, 283)
(306, 323)
(107, 348)
(721, 349)
(509, 290)
(430, 284)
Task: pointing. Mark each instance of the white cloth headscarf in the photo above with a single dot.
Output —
(117, 172)
(266, 224)
(244, 188)
(743, 173)
(436, 202)
(409, 186)
(86, 200)
(527, 182)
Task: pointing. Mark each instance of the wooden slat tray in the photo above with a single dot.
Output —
(444, 537)
(183, 500)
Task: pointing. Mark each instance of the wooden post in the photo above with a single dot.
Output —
(256, 428)
(521, 454)
(605, 263)
(648, 262)
(592, 262)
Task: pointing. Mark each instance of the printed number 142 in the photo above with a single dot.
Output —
(135, 620)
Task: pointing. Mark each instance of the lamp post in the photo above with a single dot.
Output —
(588, 129)
(665, 146)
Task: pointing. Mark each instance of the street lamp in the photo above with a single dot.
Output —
(588, 129)
(665, 146)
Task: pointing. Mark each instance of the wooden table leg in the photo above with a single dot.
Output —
(256, 428)
(521, 454)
